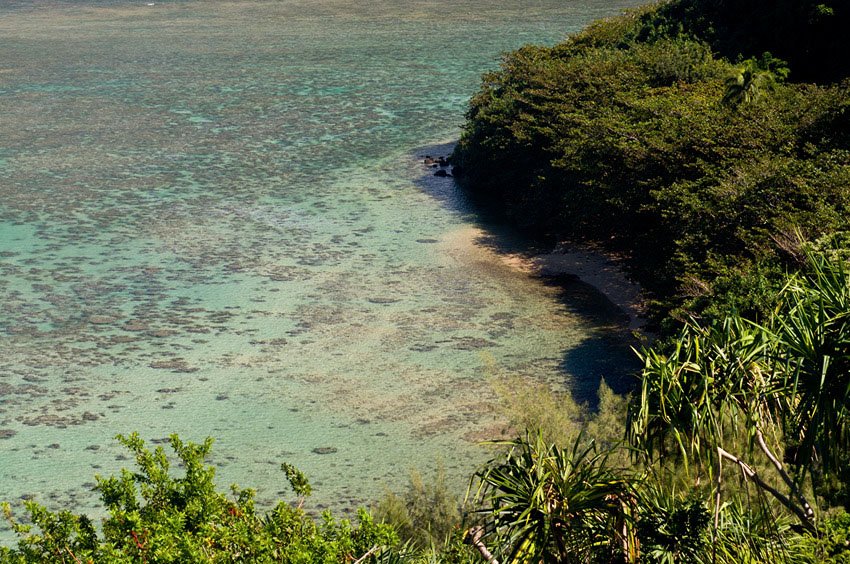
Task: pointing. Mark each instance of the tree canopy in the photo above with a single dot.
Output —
(639, 134)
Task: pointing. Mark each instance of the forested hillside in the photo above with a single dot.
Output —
(705, 139)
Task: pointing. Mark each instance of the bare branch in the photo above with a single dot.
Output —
(367, 555)
(751, 474)
(810, 513)
(473, 537)
(717, 493)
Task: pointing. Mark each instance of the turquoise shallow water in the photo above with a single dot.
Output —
(214, 221)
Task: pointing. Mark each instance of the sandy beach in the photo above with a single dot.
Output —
(591, 266)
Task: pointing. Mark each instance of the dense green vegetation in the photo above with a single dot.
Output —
(708, 142)
(673, 136)
(737, 451)
(154, 516)
(809, 34)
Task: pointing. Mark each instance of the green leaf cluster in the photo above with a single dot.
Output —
(155, 517)
(548, 503)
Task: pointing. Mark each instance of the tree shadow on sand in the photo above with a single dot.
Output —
(606, 352)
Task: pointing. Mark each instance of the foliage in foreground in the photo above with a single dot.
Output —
(738, 452)
(427, 515)
(548, 504)
(736, 431)
(782, 388)
(157, 518)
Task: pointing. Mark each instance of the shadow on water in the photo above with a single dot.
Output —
(442, 189)
(606, 352)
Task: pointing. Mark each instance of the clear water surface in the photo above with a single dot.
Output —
(214, 221)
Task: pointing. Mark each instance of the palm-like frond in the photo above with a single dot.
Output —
(557, 505)
(814, 335)
(713, 380)
(747, 85)
(790, 376)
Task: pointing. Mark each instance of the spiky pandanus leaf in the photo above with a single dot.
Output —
(557, 505)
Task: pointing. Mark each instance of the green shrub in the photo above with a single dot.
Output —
(427, 514)
(155, 517)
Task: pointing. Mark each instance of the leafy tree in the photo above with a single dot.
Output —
(752, 78)
(746, 85)
(672, 529)
(427, 515)
(617, 136)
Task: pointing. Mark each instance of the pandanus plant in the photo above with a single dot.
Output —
(783, 385)
(548, 504)
(753, 77)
